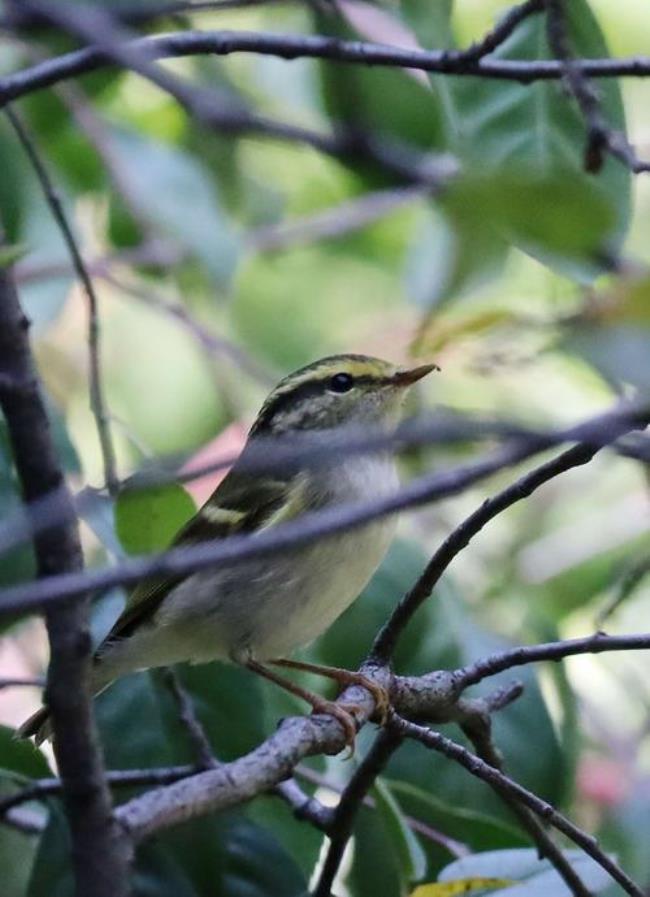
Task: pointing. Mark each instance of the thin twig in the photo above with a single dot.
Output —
(476, 723)
(97, 401)
(541, 808)
(383, 747)
(386, 640)
(291, 46)
(200, 742)
(506, 660)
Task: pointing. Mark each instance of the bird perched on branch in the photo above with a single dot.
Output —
(254, 613)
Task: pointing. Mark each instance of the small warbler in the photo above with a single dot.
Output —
(256, 612)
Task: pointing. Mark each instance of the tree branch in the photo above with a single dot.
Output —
(591, 644)
(313, 525)
(100, 852)
(541, 808)
(289, 47)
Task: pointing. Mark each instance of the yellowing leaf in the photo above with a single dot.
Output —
(460, 886)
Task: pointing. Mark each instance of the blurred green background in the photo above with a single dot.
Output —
(222, 263)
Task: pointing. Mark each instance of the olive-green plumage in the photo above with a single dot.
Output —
(271, 605)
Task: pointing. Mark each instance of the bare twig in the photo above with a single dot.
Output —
(308, 527)
(213, 343)
(476, 723)
(97, 401)
(541, 808)
(460, 537)
(351, 800)
(350, 215)
(592, 644)
(100, 851)
(200, 742)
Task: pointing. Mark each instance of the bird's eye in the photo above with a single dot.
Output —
(341, 383)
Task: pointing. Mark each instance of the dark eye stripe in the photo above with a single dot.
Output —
(303, 391)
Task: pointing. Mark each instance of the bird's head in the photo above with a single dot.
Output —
(337, 391)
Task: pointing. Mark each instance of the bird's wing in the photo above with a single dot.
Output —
(240, 504)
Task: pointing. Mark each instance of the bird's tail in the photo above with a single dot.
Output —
(37, 726)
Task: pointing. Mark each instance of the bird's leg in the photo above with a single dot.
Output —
(344, 678)
(344, 713)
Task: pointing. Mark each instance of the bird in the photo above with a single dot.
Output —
(256, 613)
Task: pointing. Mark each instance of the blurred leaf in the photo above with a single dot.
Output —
(181, 198)
(391, 101)
(10, 253)
(44, 297)
(412, 860)
(534, 877)
(538, 127)
(147, 519)
(20, 762)
(13, 183)
(375, 867)
(549, 215)
(613, 334)
(21, 757)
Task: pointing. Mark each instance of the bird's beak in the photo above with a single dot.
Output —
(412, 375)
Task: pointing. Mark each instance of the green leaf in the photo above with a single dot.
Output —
(147, 519)
(613, 335)
(20, 762)
(21, 758)
(535, 877)
(179, 196)
(391, 101)
(412, 860)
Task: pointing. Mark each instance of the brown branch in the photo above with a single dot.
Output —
(386, 640)
(288, 46)
(100, 852)
(541, 808)
(350, 803)
(97, 401)
(506, 660)
(476, 723)
(601, 138)
(197, 736)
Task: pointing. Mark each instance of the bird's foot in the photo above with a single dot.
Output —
(345, 715)
(345, 678)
